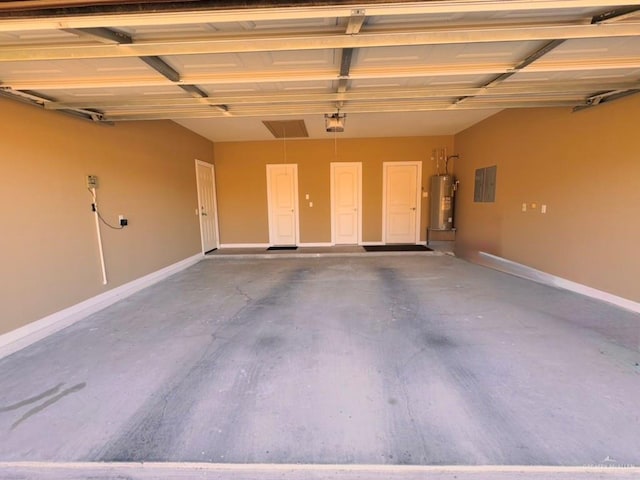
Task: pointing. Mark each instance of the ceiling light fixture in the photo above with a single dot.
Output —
(334, 123)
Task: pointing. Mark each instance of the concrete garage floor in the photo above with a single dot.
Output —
(377, 360)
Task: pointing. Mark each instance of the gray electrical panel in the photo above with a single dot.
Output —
(484, 190)
(489, 194)
(478, 188)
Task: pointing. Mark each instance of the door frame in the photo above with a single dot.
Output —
(215, 204)
(296, 201)
(333, 199)
(385, 167)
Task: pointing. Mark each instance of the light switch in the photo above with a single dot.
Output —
(306, 197)
(311, 204)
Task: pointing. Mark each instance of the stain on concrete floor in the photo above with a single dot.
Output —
(383, 360)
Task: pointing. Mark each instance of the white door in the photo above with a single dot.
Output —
(401, 202)
(282, 193)
(207, 208)
(346, 203)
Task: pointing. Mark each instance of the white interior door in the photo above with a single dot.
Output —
(401, 207)
(207, 208)
(282, 192)
(346, 203)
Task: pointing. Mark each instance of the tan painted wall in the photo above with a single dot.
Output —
(584, 166)
(48, 242)
(242, 189)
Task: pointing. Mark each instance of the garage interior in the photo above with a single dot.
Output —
(152, 151)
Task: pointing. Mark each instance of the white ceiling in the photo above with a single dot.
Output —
(396, 68)
(357, 125)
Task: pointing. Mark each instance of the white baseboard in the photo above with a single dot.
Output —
(317, 244)
(422, 242)
(244, 245)
(24, 336)
(519, 270)
(298, 471)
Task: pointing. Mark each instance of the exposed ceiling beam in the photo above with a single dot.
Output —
(573, 88)
(162, 68)
(539, 53)
(192, 90)
(320, 41)
(356, 20)
(345, 62)
(374, 107)
(101, 34)
(329, 75)
(369, 105)
(159, 18)
(200, 97)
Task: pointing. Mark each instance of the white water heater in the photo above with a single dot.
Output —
(441, 207)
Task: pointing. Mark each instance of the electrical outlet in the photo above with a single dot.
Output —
(543, 209)
(524, 207)
(92, 181)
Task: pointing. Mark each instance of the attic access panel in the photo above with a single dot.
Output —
(287, 128)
